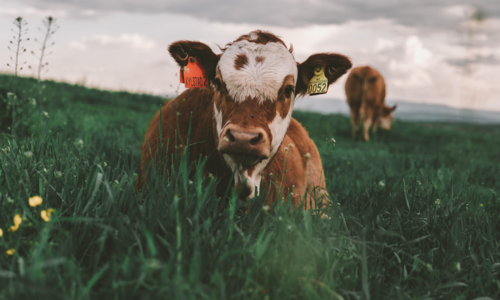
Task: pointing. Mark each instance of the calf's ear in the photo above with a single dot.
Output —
(335, 65)
(206, 58)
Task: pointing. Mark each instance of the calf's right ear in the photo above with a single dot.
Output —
(206, 58)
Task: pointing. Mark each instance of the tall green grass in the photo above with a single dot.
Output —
(415, 213)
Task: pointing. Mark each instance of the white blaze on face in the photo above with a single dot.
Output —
(218, 121)
(262, 76)
(385, 122)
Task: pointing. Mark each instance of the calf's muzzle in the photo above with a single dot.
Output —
(245, 146)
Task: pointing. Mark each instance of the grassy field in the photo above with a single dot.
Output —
(415, 217)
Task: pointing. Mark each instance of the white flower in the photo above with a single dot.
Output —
(381, 183)
(5, 150)
(10, 200)
(33, 101)
(79, 143)
(45, 113)
(289, 227)
(290, 145)
(265, 207)
(286, 149)
(280, 218)
(333, 140)
(338, 203)
(437, 202)
(458, 266)
(429, 267)
(419, 183)
(116, 182)
(270, 174)
(58, 174)
(28, 154)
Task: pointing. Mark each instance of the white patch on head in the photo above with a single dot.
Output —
(261, 80)
(218, 121)
(385, 122)
(279, 126)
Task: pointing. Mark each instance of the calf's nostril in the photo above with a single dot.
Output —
(230, 136)
(256, 139)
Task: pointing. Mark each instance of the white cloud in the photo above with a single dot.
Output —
(136, 41)
(416, 52)
(458, 11)
(382, 44)
(413, 70)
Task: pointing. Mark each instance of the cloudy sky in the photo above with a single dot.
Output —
(430, 51)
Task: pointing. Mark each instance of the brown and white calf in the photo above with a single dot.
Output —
(365, 91)
(242, 122)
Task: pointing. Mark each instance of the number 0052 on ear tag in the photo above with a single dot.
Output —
(318, 83)
(192, 76)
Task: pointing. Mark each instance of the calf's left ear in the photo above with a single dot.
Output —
(335, 65)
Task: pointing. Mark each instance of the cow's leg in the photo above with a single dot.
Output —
(355, 124)
(374, 127)
(366, 127)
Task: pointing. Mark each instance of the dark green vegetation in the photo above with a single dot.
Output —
(415, 212)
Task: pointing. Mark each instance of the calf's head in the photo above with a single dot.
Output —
(385, 117)
(254, 81)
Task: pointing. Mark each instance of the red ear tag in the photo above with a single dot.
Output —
(181, 75)
(193, 75)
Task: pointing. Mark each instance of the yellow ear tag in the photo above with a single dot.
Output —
(319, 83)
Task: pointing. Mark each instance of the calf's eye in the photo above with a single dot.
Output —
(217, 84)
(288, 91)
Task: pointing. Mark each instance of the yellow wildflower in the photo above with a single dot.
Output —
(1, 232)
(17, 221)
(11, 251)
(45, 214)
(35, 201)
(481, 205)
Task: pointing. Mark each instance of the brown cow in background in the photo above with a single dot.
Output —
(365, 91)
